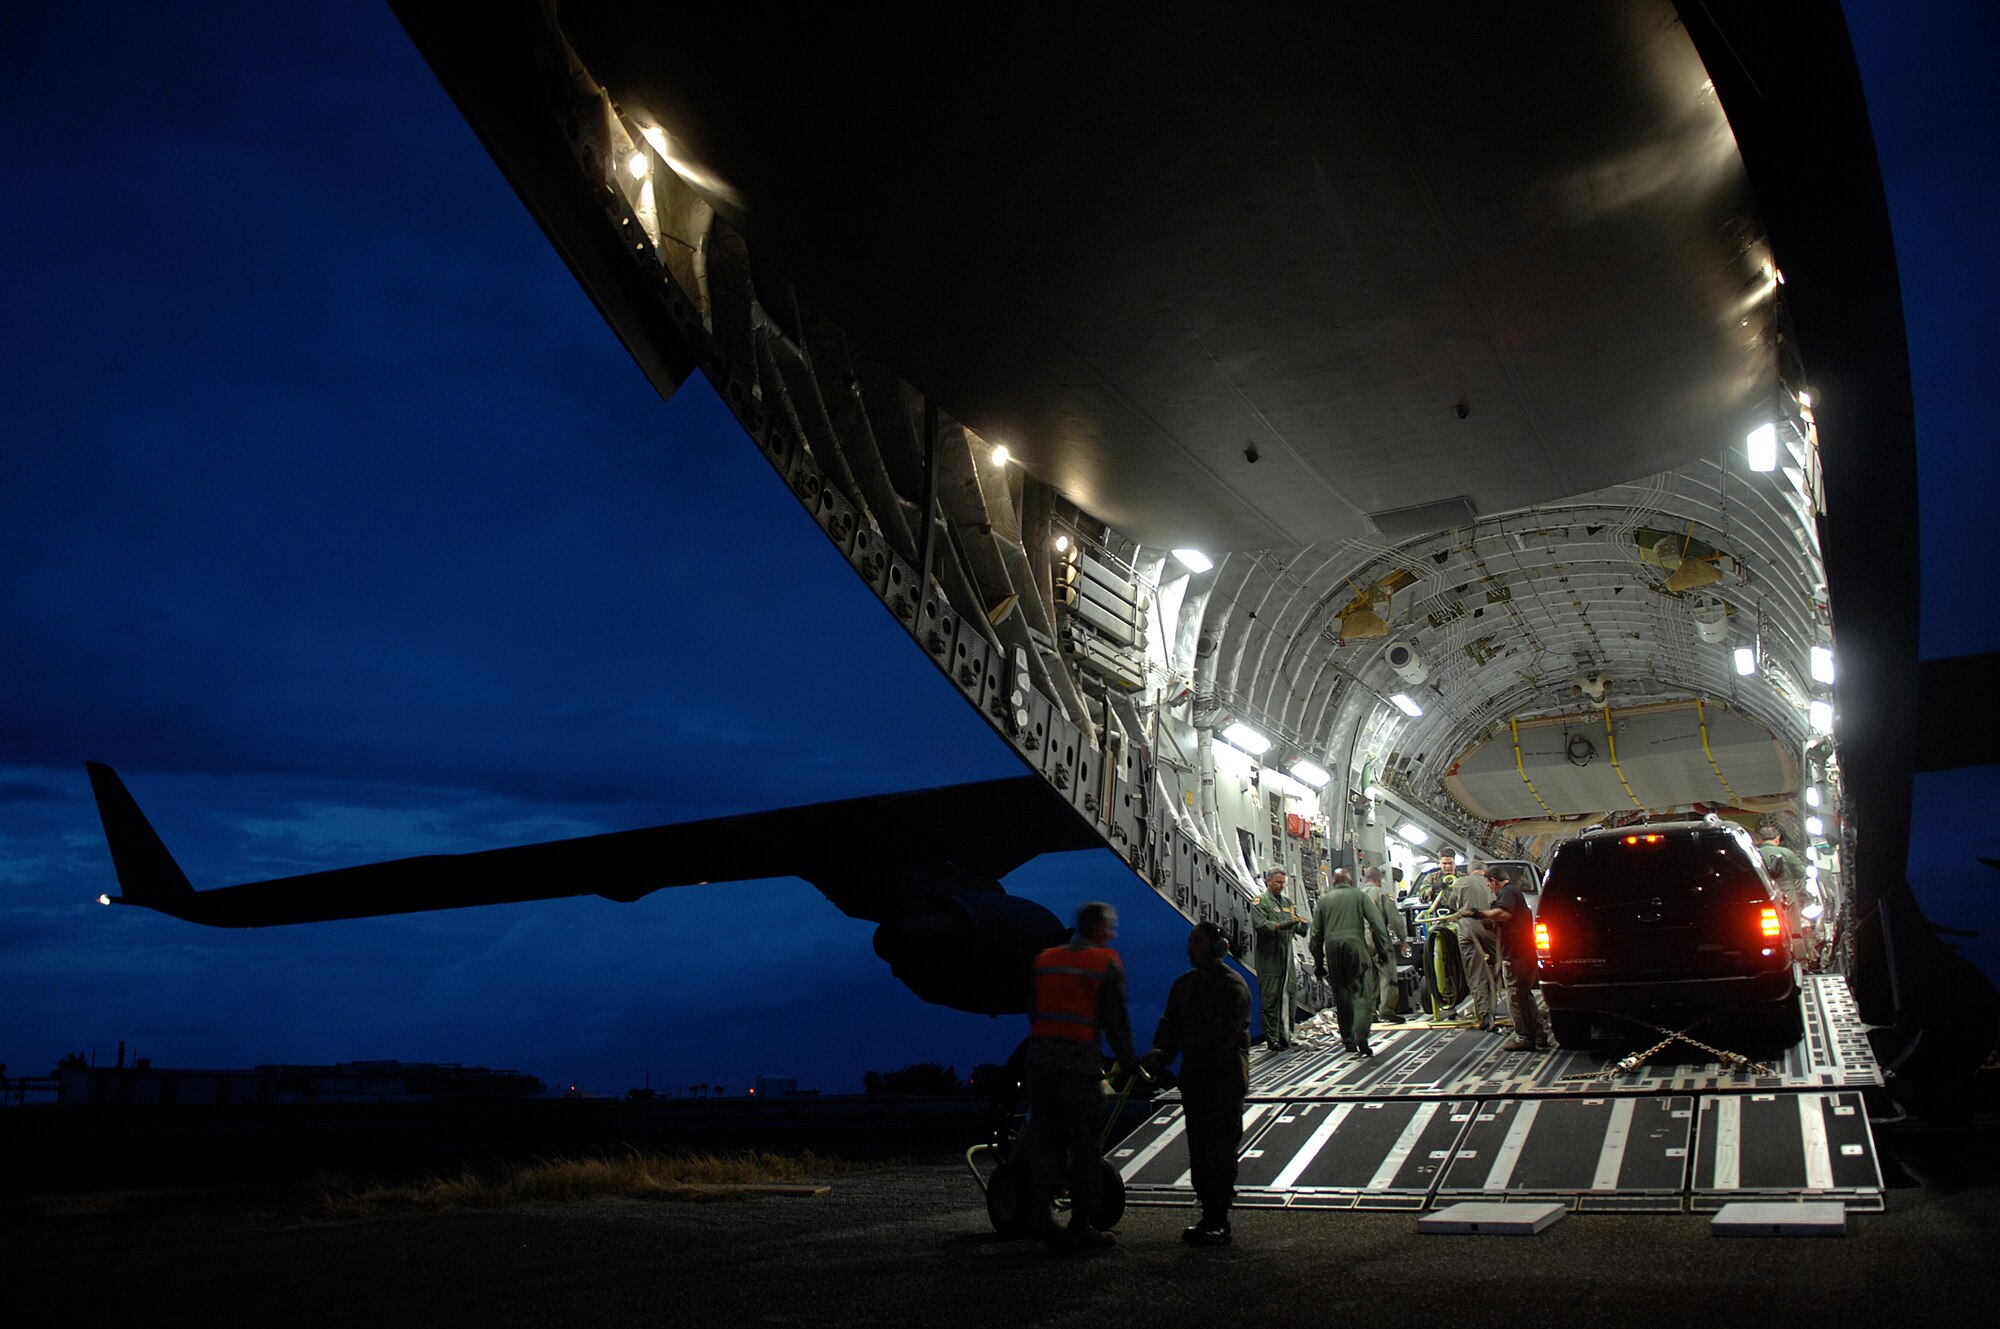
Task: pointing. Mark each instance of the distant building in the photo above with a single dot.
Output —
(398, 1082)
(146, 1085)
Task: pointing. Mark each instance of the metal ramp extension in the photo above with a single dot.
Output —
(1629, 1144)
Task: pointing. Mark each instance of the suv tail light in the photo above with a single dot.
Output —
(1541, 941)
(1769, 924)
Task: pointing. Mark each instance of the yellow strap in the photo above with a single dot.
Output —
(1701, 715)
(1612, 739)
(1519, 765)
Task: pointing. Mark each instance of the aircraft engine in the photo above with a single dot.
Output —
(972, 952)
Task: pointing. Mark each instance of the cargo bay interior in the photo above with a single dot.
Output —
(1494, 512)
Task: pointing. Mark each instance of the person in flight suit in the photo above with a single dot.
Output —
(1276, 923)
(1788, 874)
(1399, 939)
(1079, 996)
(1207, 1025)
(1349, 941)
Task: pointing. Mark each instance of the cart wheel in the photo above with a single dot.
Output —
(1006, 1204)
(1110, 1198)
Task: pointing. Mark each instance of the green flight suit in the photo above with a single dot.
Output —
(1349, 939)
(1275, 923)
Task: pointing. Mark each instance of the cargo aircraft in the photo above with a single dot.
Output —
(1307, 441)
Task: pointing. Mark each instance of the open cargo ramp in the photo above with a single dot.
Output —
(1441, 1115)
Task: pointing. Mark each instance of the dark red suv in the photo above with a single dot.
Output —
(1667, 922)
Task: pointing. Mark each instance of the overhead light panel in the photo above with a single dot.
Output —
(1812, 795)
(1820, 716)
(1194, 560)
(1306, 772)
(1403, 702)
(1763, 445)
(1812, 912)
(1413, 833)
(1000, 454)
(1822, 665)
(1746, 660)
(637, 165)
(1815, 827)
(1062, 544)
(1243, 736)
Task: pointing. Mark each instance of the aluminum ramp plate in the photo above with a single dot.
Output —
(1793, 1146)
(1623, 1152)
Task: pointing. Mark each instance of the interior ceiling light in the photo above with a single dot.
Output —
(1243, 736)
(1062, 544)
(1194, 560)
(1763, 446)
(1000, 454)
(1812, 795)
(1822, 665)
(1308, 773)
(1408, 706)
(1815, 827)
(1746, 660)
(1413, 833)
(637, 166)
(1820, 716)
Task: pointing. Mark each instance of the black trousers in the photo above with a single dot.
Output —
(1213, 1106)
(1068, 1127)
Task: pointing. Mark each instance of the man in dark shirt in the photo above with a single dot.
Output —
(1516, 924)
(1207, 1024)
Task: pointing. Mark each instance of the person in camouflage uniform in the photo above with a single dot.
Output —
(1207, 1025)
(1788, 874)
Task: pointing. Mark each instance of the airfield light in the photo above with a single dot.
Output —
(1763, 445)
(1822, 665)
(1243, 736)
(1404, 703)
(1414, 833)
(1812, 795)
(1820, 716)
(1000, 455)
(1194, 560)
(637, 166)
(104, 899)
(1062, 544)
(1746, 660)
(1306, 772)
(1815, 827)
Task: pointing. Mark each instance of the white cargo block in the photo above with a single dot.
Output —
(1492, 1218)
(1780, 1218)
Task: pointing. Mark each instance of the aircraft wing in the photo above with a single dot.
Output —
(861, 852)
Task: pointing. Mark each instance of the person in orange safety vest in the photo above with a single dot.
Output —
(1079, 999)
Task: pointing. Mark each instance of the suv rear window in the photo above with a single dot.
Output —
(1608, 870)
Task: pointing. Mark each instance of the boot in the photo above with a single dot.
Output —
(1212, 1230)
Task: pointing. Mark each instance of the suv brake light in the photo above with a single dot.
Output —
(1769, 923)
(1644, 839)
(1542, 940)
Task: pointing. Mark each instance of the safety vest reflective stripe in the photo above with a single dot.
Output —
(1066, 986)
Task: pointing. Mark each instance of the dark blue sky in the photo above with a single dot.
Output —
(334, 517)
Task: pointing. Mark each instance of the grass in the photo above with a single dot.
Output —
(699, 1178)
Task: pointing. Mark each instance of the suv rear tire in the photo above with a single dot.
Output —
(1571, 1028)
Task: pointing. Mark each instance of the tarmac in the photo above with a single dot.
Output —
(910, 1245)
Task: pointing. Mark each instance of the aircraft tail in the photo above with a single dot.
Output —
(147, 873)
